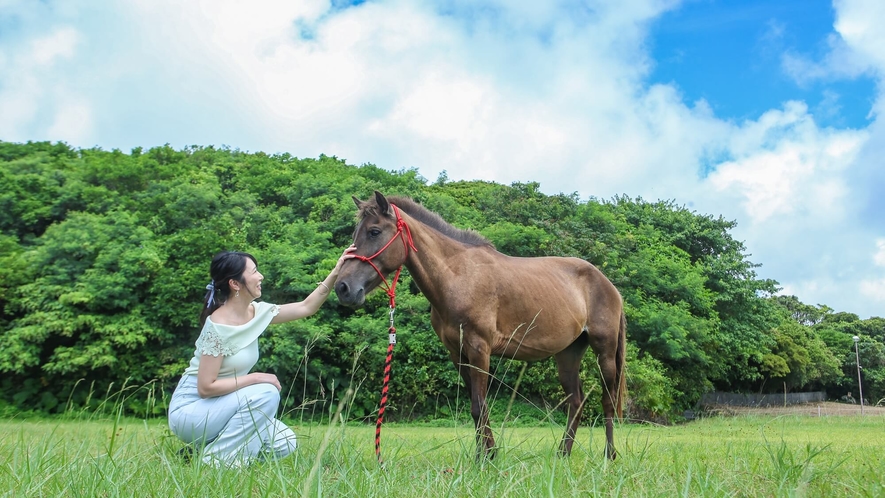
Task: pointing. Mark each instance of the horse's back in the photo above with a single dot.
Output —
(566, 274)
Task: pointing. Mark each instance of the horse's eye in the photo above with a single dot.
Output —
(374, 232)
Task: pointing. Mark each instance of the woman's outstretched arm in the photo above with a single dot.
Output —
(312, 302)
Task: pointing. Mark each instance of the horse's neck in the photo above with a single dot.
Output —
(429, 263)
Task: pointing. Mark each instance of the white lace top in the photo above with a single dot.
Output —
(237, 343)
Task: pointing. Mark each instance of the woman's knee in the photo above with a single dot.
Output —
(262, 394)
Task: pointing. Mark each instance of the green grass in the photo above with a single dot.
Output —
(740, 456)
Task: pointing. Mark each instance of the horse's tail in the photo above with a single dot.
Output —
(621, 364)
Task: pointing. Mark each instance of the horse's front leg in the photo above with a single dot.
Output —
(474, 367)
(478, 371)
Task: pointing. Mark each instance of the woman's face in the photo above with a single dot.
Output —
(252, 279)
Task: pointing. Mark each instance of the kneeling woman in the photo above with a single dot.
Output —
(219, 407)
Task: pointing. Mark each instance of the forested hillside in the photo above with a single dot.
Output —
(104, 259)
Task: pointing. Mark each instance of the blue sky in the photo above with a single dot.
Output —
(729, 53)
(767, 113)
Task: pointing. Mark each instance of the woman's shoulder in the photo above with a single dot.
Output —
(262, 308)
(261, 312)
(211, 342)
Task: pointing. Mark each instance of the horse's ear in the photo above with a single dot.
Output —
(359, 203)
(383, 205)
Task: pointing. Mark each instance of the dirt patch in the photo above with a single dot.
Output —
(819, 409)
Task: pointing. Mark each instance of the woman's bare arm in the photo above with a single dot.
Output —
(312, 303)
(210, 386)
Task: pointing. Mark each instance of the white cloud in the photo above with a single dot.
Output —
(59, 44)
(879, 256)
(72, 123)
(31, 82)
(500, 91)
(855, 47)
(840, 62)
(874, 288)
(859, 23)
(787, 166)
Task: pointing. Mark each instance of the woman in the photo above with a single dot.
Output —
(219, 406)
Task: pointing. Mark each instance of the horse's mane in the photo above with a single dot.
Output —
(435, 221)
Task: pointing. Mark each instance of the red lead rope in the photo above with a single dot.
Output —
(402, 230)
(383, 405)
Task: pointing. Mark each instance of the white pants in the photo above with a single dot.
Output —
(233, 429)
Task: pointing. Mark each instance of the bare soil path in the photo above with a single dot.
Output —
(818, 409)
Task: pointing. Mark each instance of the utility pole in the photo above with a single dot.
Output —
(859, 387)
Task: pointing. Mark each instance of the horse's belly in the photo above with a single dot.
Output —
(532, 347)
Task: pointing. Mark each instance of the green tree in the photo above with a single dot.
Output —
(104, 260)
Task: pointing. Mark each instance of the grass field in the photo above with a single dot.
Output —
(719, 456)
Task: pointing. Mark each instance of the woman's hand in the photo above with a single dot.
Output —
(267, 378)
(347, 254)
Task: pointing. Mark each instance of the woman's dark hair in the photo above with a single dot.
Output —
(226, 266)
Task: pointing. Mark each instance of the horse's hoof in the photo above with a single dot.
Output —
(488, 455)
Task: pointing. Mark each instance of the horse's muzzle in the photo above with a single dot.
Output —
(348, 296)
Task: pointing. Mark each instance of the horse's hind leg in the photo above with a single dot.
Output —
(568, 364)
(610, 393)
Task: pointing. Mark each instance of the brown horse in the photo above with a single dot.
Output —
(486, 303)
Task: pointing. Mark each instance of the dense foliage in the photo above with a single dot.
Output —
(104, 258)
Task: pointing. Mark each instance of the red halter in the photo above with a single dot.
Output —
(402, 230)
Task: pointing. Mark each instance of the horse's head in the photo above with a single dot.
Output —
(382, 243)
